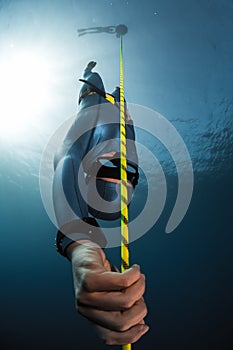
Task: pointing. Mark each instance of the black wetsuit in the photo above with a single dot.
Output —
(94, 133)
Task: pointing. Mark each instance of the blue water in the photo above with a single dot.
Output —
(178, 61)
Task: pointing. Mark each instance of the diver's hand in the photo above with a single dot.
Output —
(91, 65)
(111, 300)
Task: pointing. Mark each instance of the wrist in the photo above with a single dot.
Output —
(74, 248)
(85, 253)
(86, 229)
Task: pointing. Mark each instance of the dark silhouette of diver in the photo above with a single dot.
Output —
(119, 30)
(112, 301)
(93, 30)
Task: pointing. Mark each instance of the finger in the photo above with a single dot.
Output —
(116, 320)
(141, 322)
(116, 300)
(120, 338)
(110, 281)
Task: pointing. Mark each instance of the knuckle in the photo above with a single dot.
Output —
(109, 341)
(141, 285)
(143, 310)
(128, 299)
(144, 307)
(143, 280)
(118, 323)
(127, 303)
(121, 327)
(108, 338)
(134, 338)
(130, 304)
(113, 340)
(124, 282)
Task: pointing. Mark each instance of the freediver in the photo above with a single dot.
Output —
(119, 30)
(89, 159)
(94, 30)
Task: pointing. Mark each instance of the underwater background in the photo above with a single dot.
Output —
(179, 62)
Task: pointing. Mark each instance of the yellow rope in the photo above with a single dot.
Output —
(124, 192)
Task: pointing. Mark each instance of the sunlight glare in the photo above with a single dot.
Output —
(24, 93)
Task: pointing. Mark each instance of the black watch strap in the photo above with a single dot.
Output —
(87, 228)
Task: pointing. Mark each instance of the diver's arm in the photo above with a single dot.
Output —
(89, 68)
(112, 301)
(70, 208)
